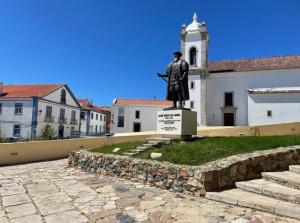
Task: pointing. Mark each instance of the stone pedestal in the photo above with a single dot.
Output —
(177, 123)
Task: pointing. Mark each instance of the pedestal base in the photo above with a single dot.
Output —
(177, 123)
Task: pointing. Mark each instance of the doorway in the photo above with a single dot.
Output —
(136, 126)
(228, 119)
(61, 132)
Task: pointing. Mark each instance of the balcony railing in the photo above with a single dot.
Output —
(49, 118)
(73, 121)
(62, 120)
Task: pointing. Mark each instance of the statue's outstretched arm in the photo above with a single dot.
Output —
(162, 75)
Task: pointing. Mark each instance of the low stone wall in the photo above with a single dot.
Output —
(197, 180)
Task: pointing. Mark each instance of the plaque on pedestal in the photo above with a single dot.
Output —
(177, 123)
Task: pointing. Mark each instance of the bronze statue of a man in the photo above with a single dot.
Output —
(177, 74)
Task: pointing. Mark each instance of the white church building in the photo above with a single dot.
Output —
(239, 92)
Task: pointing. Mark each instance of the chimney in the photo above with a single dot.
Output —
(1, 88)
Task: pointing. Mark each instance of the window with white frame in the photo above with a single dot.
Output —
(17, 130)
(18, 109)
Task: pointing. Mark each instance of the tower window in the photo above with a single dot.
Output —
(192, 85)
(63, 96)
(193, 56)
(192, 104)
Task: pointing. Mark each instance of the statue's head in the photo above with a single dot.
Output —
(177, 55)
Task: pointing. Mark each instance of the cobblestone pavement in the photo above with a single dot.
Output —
(53, 193)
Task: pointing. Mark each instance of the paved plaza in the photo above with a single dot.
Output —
(51, 192)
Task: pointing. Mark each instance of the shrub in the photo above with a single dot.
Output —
(47, 133)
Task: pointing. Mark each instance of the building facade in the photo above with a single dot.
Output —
(92, 119)
(129, 115)
(239, 92)
(26, 109)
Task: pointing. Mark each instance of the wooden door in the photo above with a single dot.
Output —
(228, 119)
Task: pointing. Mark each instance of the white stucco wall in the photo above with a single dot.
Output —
(195, 95)
(8, 117)
(55, 96)
(285, 108)
(56, 113)
(100, 123)
(148, 117)
(88, 124)
(239, 82)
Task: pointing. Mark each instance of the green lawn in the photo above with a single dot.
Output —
(125, 147)
(202, 150)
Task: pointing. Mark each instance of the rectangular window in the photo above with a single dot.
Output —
(96, 116)
(192, 104)
(104, 117)
(73, 115)
(192, 85)
(228, 99)
(92, 115)
(269, 113)
(121, 120)
(62, 114)
(82, 115)
(137, 114)
(48, 111)
(18, 109)
(96, 128)
(0, 108)
(17, 130)
(101, 118)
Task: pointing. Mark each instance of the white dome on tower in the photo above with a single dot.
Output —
(194, 26)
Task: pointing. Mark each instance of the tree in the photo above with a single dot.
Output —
(47, 132)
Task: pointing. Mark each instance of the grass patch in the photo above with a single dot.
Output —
(203, 150)
(125, 147)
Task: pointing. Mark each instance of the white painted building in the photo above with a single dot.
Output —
(239, 92)
(92, 119)
(26, 109)
(135, 115)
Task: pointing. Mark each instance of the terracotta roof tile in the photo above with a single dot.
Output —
(27, 91)
(142, 102)
(256, 64)
(85, 104)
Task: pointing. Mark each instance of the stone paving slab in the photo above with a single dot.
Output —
(51, 192)
(15, 200)
(28, 219)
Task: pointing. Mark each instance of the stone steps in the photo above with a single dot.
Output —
(287, 178)
(251, 200)
(295, 168)
(151, 142)
(276, 192)
(160, 139)
(270, 189)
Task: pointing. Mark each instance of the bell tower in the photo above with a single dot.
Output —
(194, 48)
(194, 43)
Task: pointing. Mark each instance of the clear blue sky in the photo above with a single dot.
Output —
(108, 49)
